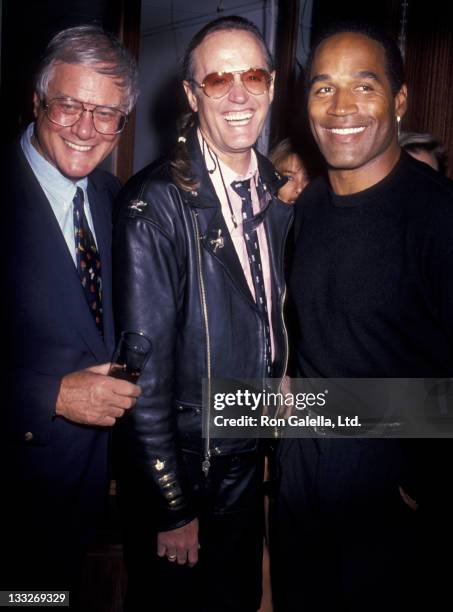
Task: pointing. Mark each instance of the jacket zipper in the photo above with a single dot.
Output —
(285, 331)
(206, 464)
(285, 334)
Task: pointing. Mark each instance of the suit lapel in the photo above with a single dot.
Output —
(58, 263)
(100, 206)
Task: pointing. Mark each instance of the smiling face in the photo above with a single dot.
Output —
(232, 124)
(352, 111)
(293, 168)
(77, 150)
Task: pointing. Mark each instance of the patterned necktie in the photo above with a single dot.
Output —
(242, 188)
(88, 260)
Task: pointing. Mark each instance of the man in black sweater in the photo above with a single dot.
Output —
(372, 285)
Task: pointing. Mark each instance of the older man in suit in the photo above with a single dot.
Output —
(59, 327)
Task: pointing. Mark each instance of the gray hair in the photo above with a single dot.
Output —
(422, 141)
(90, 45)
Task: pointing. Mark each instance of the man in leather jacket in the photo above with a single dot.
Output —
(192, 505)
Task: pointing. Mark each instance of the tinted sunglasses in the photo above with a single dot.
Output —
(218, 84)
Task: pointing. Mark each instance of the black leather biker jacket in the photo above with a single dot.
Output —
(190, 297)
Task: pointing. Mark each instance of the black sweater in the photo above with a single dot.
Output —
(372, 277)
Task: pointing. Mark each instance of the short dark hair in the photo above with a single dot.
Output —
(394, 66)
(231, 22)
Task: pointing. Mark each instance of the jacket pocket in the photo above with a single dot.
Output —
(189, 426)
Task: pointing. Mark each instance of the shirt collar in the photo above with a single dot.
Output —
(49, 177)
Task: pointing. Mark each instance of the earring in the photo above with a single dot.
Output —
(398, 122)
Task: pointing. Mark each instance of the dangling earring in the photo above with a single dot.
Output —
(398, 123)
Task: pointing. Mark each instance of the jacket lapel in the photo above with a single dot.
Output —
(58, 263)
(277, 224)
(216, 238)
(217, 241)
(100, 206)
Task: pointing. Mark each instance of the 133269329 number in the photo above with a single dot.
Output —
(33, 598)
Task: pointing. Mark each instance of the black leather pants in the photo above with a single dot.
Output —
(227, 577)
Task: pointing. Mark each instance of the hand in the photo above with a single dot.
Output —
(413, 505)
(91, 397)
(180, 544)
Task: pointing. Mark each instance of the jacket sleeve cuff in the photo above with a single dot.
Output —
(178, 519)
(175, 505)
(31, 406)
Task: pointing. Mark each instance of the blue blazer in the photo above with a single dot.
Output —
(50, 332)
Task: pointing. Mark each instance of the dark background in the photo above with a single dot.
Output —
(27, 26)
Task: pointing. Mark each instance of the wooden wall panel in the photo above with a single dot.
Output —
(429, 70)
(125, 22)
(286, 46)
